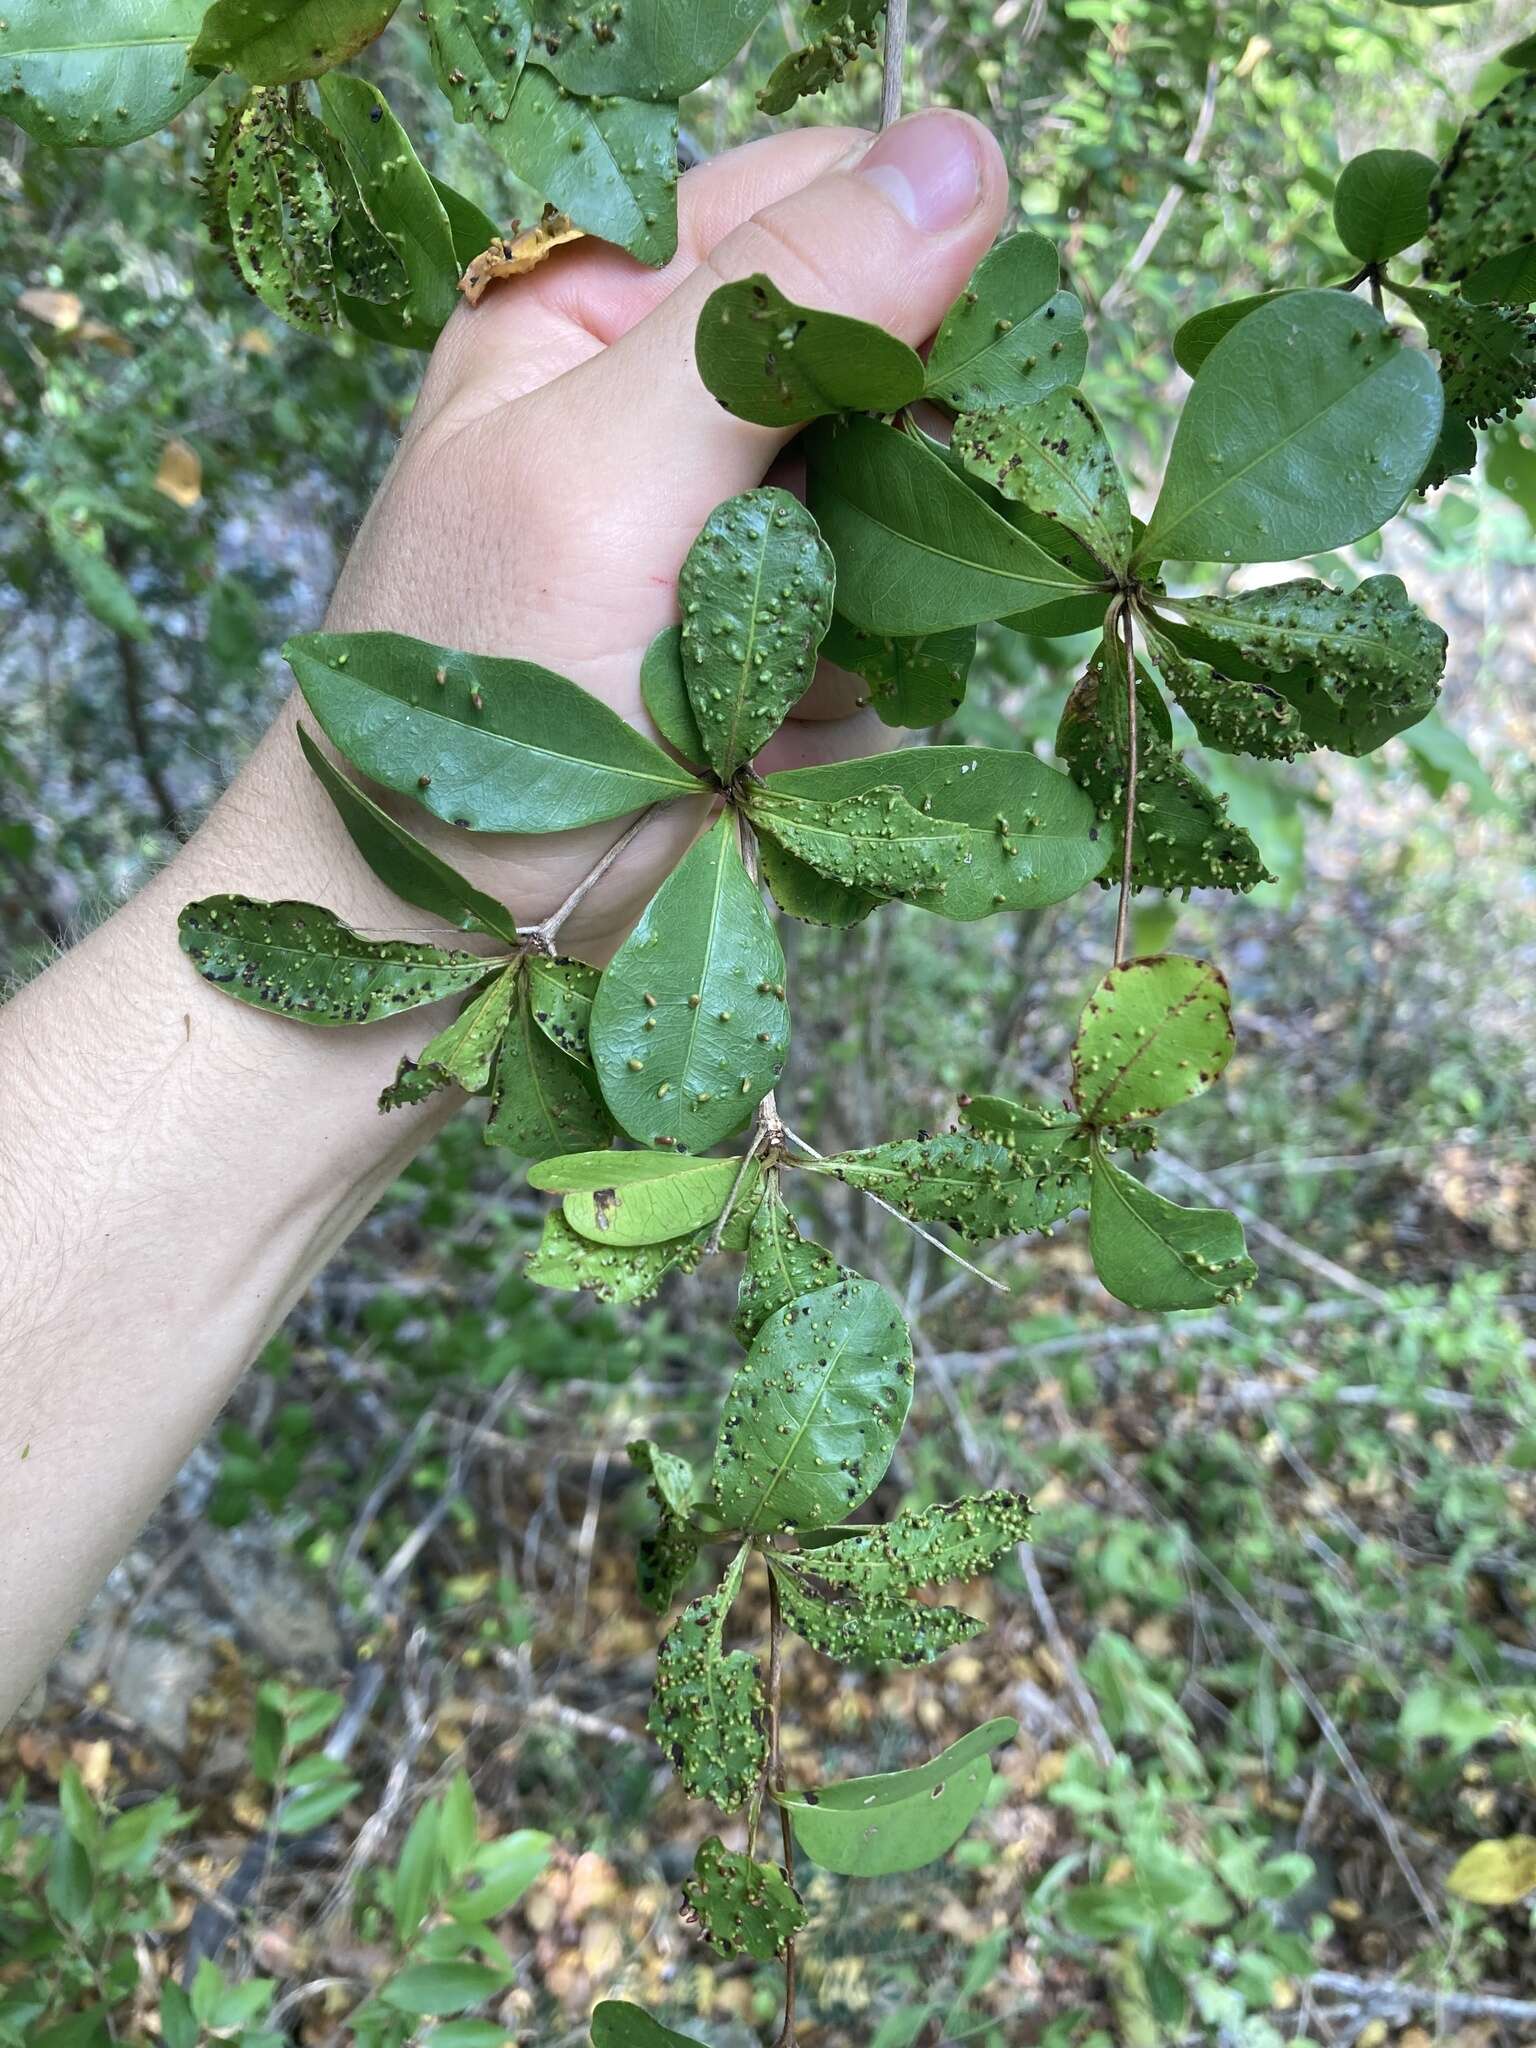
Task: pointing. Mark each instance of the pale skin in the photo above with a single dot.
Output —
(175, 1167)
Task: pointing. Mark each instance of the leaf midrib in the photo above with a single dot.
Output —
(814, 1409)
(1153, 539)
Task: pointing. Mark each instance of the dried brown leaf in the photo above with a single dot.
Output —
(516, 255)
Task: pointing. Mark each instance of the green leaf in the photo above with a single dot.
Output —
(1183, 837)
(1012, 336)
(403, 863)
(1381, 202)
(1153, 1033)
(978, 1186)
(1358, 666)
(812, 897)
(644, 49)
(959, 1539)
(825, 61)
(689, 1025)
(871, 1630)
(298, 960)
(560, 996)
(477, 56)
(707, 1708)
(742, 1908)
(918, 1815)
(634, 1198)
(756, 596)
(463, 1052)
(1053, 458)
(275, 42)
(80, 545)
(1235, 714)
(616, 2024)
(778, 364)
(915, 682)
(1152, 1254)
(664, 1561)
(466, 2034)
(1030, 836)
(312, 1805)
(1487, 354)
(504, 1870)
(415, 1876)
(427, 1989)
(611, 164)
(97, 72)
(918, 551)
(564, 1259)
(664, 692)
(492, 745)
(872, 840)
(1484, 200)
(671, 1477)
(781, 1265)
(402, 201)
(543, 1102)
(813, 1415)
(1193, 342)
(1308, 425)
(271, 175)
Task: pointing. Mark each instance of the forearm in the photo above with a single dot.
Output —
(177, 1166)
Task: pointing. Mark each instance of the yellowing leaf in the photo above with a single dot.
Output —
(254, 341)
(180, 475)
(521, 253)
(59, 310)
(1496, 1873)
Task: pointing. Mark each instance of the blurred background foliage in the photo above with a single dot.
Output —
(1273, 1651)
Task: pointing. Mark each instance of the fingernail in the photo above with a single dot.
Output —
(929, 166)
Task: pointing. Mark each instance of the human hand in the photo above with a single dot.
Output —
(564, 453)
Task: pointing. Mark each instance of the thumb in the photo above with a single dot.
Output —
(890, 239)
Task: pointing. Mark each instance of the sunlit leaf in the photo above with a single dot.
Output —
(277, 209)
(1152, 1034)
(870, 1630)
(634, 1198)
(813, 1415)
(1012, 335)
(742, 1908)
(566, 1260)
(1152, 1254)
(690, 1028)
(1053, 457)
(428, 1989)
(875, 1827)
(1495, 1873)
(778, 364)
(1308, 425)
(918, 551)
(756, 595)
(300, 961)
(485, 743)
(98, 72)
(707, 1706)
